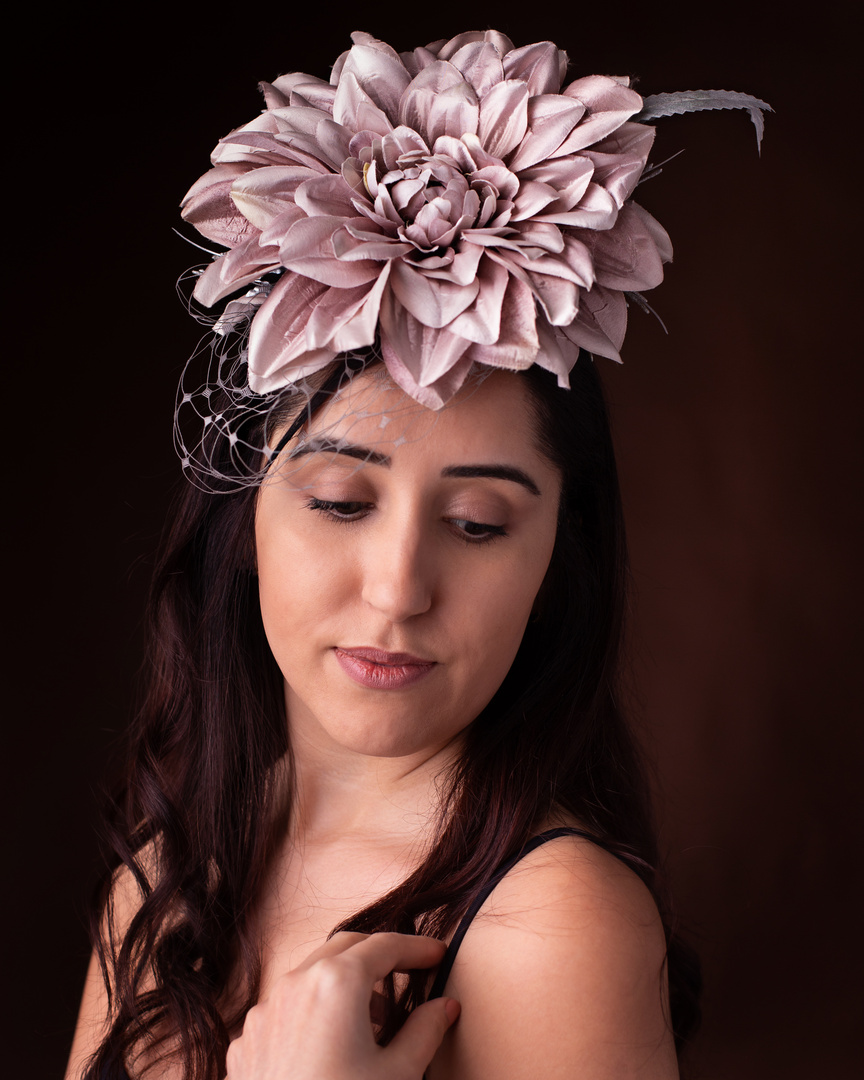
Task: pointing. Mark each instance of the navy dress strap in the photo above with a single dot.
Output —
(536, 841)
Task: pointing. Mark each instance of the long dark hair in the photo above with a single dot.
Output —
(196, 811)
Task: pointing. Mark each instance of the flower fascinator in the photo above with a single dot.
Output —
(457, 205)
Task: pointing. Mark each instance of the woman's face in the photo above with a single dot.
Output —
(395, 590)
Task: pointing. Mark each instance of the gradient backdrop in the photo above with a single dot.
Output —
(740, 454)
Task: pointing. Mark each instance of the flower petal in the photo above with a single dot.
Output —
(601, 324)
(517, 344)
(355, 110)
(503, 118)
(308, 249)
(628, 257)
(426, 353)
(541, 65)
(454, 112)
(481, 322)
(433, 302)
(241, 266)
(381, 74)
(419, 98)
(209, 207)
(328, 196)
(596, 210)
(557, 353)
(570, 176)
(609, 104)
(480, 64)
(446, 49)
(277, 338)
(316, 92)
(263, 194)
(346, 319)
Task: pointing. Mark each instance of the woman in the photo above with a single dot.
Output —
(383, 694)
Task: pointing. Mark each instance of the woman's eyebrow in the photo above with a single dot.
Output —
(321, 444)
(494, 472)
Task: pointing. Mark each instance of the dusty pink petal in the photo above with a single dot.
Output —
(434, 303)
(351, 245)
(596, 210)
(426, 352)
(265, 149)
(446, 49)
(308, 250)
(558, 297)
(602, 322)
(316, 92)
(278, 333)
(551, 118)
(574, 264)
(456, 151)
(401, 141)
(557, 353)
(209, 207)
(481, 322)
(355, 110)
(454, 112)
(516, 348)
(537, 234)
(419, 99)
(456, 266)
(238, 267)
(627, 257)
(276, 231)
(346, 319)
(570, 176)
(325, 196)
(533, 196)
(263, 194)
(231, 147)
(619, 176)
(503, 119)
(328, 142)
(655, 230)
(436, 394)
(609, 105)
(542, 65)
(480, 64)
(499, 177)
(381, 74)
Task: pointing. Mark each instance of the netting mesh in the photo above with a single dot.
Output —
(228, 437)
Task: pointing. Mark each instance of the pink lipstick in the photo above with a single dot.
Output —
(381, 670)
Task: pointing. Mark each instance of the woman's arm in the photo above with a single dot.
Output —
(562, 975)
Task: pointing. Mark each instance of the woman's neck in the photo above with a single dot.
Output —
(338, 793)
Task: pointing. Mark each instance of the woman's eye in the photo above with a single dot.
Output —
(340, 511)
(477, 532)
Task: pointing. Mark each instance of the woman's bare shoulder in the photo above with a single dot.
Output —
(562, 973)
(93, 1015)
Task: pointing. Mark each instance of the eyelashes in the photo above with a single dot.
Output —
(348, 512)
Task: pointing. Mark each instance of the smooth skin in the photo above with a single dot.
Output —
(436, 547)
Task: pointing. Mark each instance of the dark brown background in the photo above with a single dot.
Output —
(739, 441)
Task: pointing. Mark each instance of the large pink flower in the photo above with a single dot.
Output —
(454, 200)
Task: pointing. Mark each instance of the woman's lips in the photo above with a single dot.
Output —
(381, 670)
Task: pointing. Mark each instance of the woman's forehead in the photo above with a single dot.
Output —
(490, 411)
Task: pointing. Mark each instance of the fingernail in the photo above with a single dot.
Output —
(452, 1008)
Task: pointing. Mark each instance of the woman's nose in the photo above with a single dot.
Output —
(398, 573)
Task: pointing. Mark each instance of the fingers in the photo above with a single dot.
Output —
(339, 943)
(383, 953)
(420, 1036)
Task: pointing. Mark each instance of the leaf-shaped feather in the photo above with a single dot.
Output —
(684, 101)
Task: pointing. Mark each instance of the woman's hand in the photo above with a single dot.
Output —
(315, 1025)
